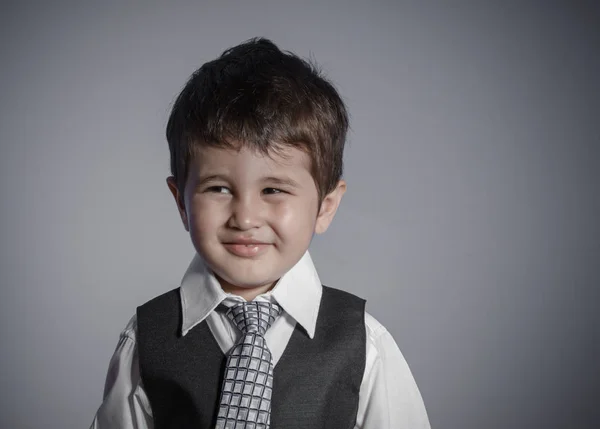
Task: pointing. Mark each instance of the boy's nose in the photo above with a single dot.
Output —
(246, 213)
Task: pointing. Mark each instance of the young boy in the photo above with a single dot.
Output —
(251, 339)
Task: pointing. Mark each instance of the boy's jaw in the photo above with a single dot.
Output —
(246, 265)
(249, 293)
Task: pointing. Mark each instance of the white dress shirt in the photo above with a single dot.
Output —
(389, 397)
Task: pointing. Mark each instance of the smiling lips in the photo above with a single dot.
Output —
(246, 248)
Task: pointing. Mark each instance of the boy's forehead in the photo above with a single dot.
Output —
(282, 157)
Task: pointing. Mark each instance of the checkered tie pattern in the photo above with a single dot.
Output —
(248, 381)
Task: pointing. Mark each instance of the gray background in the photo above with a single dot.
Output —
(470, 224)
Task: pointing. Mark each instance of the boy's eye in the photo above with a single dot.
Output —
(270, 191)
(219, 189)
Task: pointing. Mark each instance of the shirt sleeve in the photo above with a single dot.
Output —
(125, 404)
(389, 396)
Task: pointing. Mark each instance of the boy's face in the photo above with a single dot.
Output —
(252, 216)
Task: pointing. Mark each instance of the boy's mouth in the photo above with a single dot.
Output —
(244, 240)
(246, 250)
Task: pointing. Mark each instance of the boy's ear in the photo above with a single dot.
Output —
(329, 206)
(172, 184)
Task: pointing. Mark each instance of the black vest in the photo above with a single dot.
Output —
(316, 382)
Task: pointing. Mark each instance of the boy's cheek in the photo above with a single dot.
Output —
(302, 215)
(204, 221)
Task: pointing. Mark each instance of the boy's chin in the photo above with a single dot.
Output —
(232, 284)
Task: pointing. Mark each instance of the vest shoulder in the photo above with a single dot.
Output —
(341, 306)
(161, 315)
(162, 300)
(340, 294)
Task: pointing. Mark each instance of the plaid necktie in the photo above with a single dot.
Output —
(248, 381)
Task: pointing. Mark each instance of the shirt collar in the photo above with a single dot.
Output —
(298, 292)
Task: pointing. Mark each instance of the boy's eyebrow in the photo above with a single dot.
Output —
(285, 181)
(280, 181)
(210, 178)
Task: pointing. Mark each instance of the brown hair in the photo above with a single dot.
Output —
(257, 95)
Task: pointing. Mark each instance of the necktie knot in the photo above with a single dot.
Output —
(254, 316)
